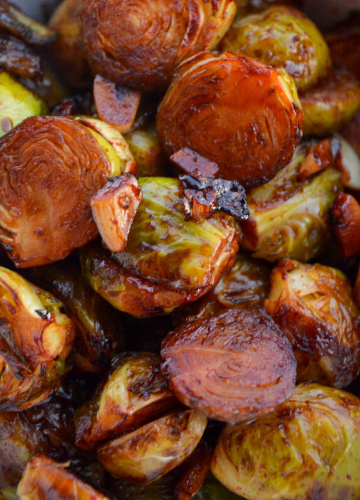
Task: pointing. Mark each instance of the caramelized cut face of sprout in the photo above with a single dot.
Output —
(120, 46)
(313, 306)
(99, 326)
(233, 366)
(67, 52)
(282, 37)
(288, 217)
(330, 104)
(50, 167)
(133, 394)
(17, 103)
(307, 448)
(154, 449)
(45, 478)
(19, 440)
(35, 340)
(221, 107)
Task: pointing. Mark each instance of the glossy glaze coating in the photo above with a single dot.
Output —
(308, 449)
(289, 217)
(313, 306)
(49, 169)
(233, 366)
(134, 393)
(139, 44)
(234, 111)
(330, 104)
(155, 449)
(282, 37)
(36, 338)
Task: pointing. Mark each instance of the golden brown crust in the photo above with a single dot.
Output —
(49, 169)
(233, 111)
(139, 44)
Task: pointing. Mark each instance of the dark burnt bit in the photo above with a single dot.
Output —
(189, 162)
(204, 196)
(81, 104)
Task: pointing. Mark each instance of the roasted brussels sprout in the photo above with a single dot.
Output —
(45, 478)
(19, 440)
(331, 103)
(155, 449)
(307, 448)
(19, 59)
(282, 37)
(221, 107)
(46, 185)
(67, 52)
(134, 393)
(288, 217)
(99, 326)
(17, 103)
(148, 154)
(35, 340)
(245, 7)
(313, 306)
(247, 282)
(139, 44)
(233, 366)
(167, 261)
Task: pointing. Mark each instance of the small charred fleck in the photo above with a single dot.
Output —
(204, 196)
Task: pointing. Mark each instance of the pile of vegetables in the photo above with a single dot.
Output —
(179, 252)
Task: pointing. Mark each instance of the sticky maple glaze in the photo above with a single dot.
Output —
(49, 169)
(233, 111)
(139, 44)
(233, 366)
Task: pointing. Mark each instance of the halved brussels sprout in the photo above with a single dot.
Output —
(233, 366)
(288, 217)
(309, 447)
(67, 52)
(120, 46)
(193, 472)
(313, 306)
(45, 478)
(148, 154)
(134, 393)
(49, 169)
(282, 37)
(17, 103)
(222, 106)
(19, 440)
(36, 338)
(99, 326)
(331, 103)
(155, 449)
(127, 292)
